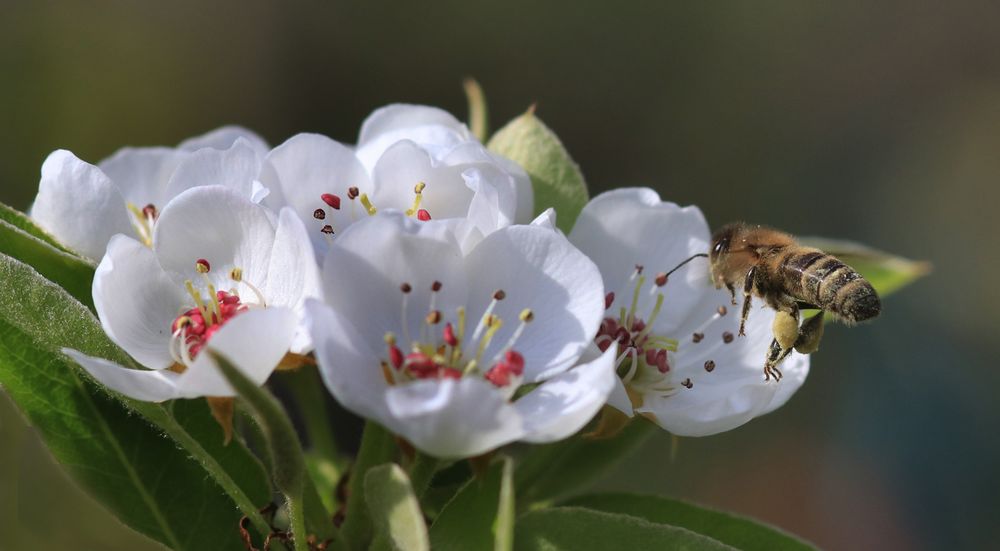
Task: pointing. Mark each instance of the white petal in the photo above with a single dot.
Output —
(565, 403)
(309, 165)
(292, 275)
(547, 219)
(148, 386)
(218, 225)
(403, 166)
(350, 370)
(136, 301)
(236, 168)
(735, 391)
(618, 398)
(625, 227)
(224, 138)
(363, 272)
(141, 173)
(453, 418)
(254, 341)
(79, 205)
(538, 269)
(433, 128)
(513, 187)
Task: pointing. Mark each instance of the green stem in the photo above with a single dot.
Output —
(377, 447)
(297, 522)
(311, 400)
(424, 467)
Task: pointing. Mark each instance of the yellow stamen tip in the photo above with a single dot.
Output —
(367, 203)
(419, 188)
(390, 339)
(236, 274)
(527, 316)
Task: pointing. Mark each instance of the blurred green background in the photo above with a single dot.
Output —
(879, 123)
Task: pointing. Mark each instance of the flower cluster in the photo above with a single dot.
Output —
(409, 269)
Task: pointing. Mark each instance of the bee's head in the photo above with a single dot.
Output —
(722, 240)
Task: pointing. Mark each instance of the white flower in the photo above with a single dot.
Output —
(415, 159)
(433, 343)
(221, 273)
(678, 356)
(83, 205)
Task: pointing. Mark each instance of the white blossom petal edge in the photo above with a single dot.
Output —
(433, 343)
(222, 273)
(678, 359)
(83, 205)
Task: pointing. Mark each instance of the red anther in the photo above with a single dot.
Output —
(319, 214)
(227, 298)
(202, 265)
(450, 373)
(709, 366)
(608, 300)
(605, 344)
(651, 356)
(421, 365)
(332, 200)
(327, 229)
(697, 337)
(638, 268)
(449, 335)
(515, 360)
(405, 288)
(638, 325)
(499, 295)
(622, 336)
(661, 361)
(395, 356)
(727, 337)
(352, 193)
(436, 286)
(149, 211)
(228, 310)
(661, 279)
(687, 383)
(423, 215)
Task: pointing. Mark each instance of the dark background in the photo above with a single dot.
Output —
(874, 123)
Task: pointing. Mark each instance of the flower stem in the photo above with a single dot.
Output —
(377, 447)
(421, 473)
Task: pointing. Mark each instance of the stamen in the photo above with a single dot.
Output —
(526, 316)
(722, 310)
(608, 300)
(661, 279)
(687, 384)
(727, 337)
(652, 317)
(319, 214)
(493, 325)
(433, 317)
(395, 354)
(697, 337)
(497, 297)
(709, 366)
(367, 203)
(635, 295)
(449, 335)
(236, 274)
(352, 193)
(405, 288)
(332, 200)
(423, 215)
(142, 223)
(417, 198)
(199, 303)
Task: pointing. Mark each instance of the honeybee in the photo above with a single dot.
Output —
(789, 277)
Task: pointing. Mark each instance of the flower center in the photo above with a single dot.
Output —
(643, 360)
(445, 350)
(332, 202)
(193, 328)
(143, 220)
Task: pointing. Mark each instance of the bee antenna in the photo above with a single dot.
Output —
(689, 259)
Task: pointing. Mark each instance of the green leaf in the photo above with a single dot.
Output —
(377, 447)
(569, 467)
(573, 528)
(480, 515)
(149, 482)
(741, 533)
(479, 119)
(24, 223)
(394, 509)
(555, 178)
(21, 239)
(886, 272)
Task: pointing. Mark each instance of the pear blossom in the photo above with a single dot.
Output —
(678, 357)
(222, 273)
(83, 205)
(437, 344)
(415, 159)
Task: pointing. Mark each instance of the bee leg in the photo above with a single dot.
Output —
(810, 335)
(748, 285)
(786, 327)
(732, 293)
(775, 355)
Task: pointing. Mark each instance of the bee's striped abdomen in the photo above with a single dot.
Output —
(821, 279)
